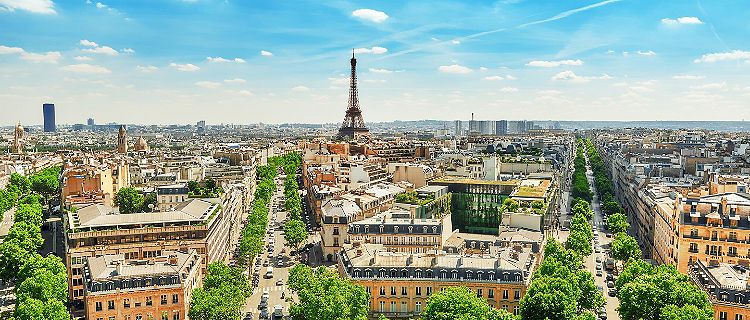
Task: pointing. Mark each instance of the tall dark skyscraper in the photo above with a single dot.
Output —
(49, 117)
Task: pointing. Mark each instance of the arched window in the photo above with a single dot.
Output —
(356, 273)
(479, 275)
(393, 273)
(395, 229)
(411, 228)
(424, 229)
(368, 273)
(382, 228)
(428, 274)
(417, 273)
(469, 274)
(443, 274)
(404, 273)
(491, 275)
(454, 274)
(434, 229)
(382, 273)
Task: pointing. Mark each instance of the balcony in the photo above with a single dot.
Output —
(693, 250)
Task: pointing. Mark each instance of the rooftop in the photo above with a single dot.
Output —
(99, 215)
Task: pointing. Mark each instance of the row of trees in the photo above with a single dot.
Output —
(580, 184)
(42, 286)
(294, 230)
(581, 234)
(251, 243)
(602, 182)
(222, 296)
(561, 288)
(647, 292)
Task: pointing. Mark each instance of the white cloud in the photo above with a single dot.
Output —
(482, 68)
(188, 67)
(572, 77)
(208, 84)
(509, 77)
(147, 69)
(49, 57)
(724, 56)
(100, 5)
(681, 20)
(509, 89)
(373, 50)
(710, 86)
(552, 64)
(646, 53)
(454, 68)
(88, 43)
(103, 50)
(266, 53)
(370, 15)
(83, 58)
(374, 70)
(300, 88)
(494, 78)
(236, 80)
(245, 93)
(86, 68)
(33, 6)
(127, 50)
(220, 59)
(455, 41)
(688, 77)
(11, 50)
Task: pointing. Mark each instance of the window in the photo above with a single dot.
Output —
(111, 305)
(490, 293)
(382, 291)
(393, 306)
(418, 291)
(429, 290)
(403, 291)
(126, 303)
(336, 231)
(479, 293)
(149, 302)
(693, 247)
(505, 307)
(517, 294)
(694, 233)
(738, 317)
(505, 294)
(335, 241)
(98, 306)
(175, 298)
(164, 299)
(418, 307)
(393, 291)
(722, 315)
(382, 306)
(515, 310)
(404, 307)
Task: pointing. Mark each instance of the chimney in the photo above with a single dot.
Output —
(118, 268)
(724, 208)
(173, 259)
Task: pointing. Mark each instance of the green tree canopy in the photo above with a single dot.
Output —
(34, 309)
(129, 200)
(625, 247)
(460, 303)
(295, 232)
(617, 223)
(324, 295)
(22, 183)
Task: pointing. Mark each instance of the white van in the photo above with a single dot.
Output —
(269, 272)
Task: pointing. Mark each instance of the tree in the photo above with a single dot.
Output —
(617, 223)
(22, 183)
(28, 235)
(12, 256)
(46, 183)
(45, 286)
(192, 185)
(611, 207)
(250, 247)
(129, 200)
(34, 309)
(549, 298)
(655, 293)
(579, 243)
(36, 263)
(295, 233)
(220, 275)
(323, 294)
(462, 304)
(149, 202)
(223, 294)
(509, 205)
(31, 214)
(625, 247)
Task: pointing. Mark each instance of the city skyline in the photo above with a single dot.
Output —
(231, 62)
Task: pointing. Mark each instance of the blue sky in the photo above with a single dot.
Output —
(287, 61)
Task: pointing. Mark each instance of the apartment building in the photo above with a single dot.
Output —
(399, 283)
(94, 230)
(398, 231)
(155, 288)
(727, 287)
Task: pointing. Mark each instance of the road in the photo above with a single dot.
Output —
(601, 240)
(281, 267)
(7, 221)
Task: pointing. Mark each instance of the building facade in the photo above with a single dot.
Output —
(48, 109)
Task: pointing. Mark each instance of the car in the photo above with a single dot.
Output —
(603, 316)
(609, 235)
(280, 282)
(263, 314)
(598, 267)
(610, 284)
(598, 259)
(598, 273)
(257, 268)
(601, 289)
(598, 249)
(612, 292)
(564, 228)
(610, 277)
(248, 316)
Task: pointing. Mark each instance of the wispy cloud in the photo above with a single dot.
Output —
(373, 50)
(681, 20)
(733, 55)
(688, 77)
(235, 80)
(49, 57)
(11, 50)
(455, 69)
(300, 88)
(33, 6)
(102, 50)
(86, 68)
(376, 70)
(208, 84)
(552, 64)
(223, 60)
(266, 53)
(572, 77)
(370, 15)
(147, 69)
(187, 67)
(88, 43)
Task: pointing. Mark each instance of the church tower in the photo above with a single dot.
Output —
(122, 141)
(18, 143)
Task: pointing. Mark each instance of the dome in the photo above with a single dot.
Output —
(141, 145)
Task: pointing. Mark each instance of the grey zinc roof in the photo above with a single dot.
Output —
(104, 268)
(98, 215)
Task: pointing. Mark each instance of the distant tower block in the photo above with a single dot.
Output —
(49, 117)
(18, 143)
(122, 141)
(353, 124)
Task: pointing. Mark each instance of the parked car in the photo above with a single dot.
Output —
(598, 273)
(598, 259)
(612, 292)
(610, 284)
(280, 282)
(610, 277)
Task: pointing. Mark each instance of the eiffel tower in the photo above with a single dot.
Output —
(353, 124)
